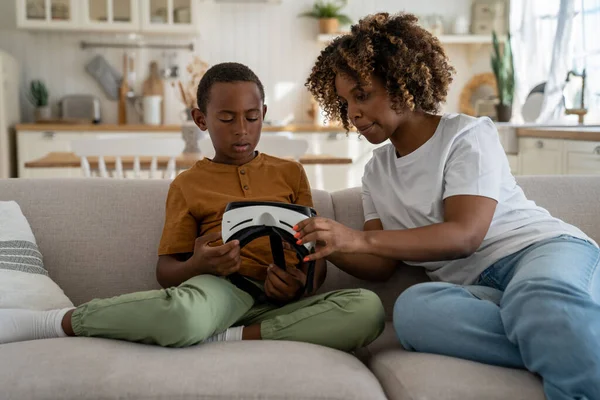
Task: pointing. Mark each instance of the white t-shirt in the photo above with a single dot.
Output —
(463, 157)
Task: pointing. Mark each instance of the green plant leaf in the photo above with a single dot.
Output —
(344, 20)
(312, 14)
(326, 9)
(38, 93)
(503, 69)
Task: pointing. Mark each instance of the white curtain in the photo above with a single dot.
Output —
(532, 26)
(586, 48)
(550, 38)
(562, 62)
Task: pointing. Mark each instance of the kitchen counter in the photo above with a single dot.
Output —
(567, 132)
(300, 128)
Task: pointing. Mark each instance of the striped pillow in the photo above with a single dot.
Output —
(21, 255)
(24, 282)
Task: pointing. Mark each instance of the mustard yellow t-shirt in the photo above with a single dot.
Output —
(197, 199)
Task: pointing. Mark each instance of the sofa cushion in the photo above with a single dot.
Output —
(408, 375)
(574, 199)
(99, 237)
(86, 368)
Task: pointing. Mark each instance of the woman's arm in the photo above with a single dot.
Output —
(379, 268)
(467, 219)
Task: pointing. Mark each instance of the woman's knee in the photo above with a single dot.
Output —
(527, 305)
(415, 310)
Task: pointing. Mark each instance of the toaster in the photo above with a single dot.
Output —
(80, 106)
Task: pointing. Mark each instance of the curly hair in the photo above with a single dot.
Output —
(225, 72)
(409, 61)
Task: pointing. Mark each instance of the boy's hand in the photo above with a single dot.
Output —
(216, 260)
(284, 286)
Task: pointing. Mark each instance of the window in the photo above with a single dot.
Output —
(586, 52)
(536, 45)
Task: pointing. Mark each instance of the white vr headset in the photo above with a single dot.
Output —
(248, 220)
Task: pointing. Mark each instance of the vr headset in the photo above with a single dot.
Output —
(248, 220)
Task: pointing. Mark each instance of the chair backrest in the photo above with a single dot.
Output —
(135, 146)
(276, 145)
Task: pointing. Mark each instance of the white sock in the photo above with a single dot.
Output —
(18, 325)
(229, 335)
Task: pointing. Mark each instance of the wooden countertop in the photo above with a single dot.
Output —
(585, 132)
(184, 161)
(299, 128)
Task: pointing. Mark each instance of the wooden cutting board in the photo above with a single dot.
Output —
(123, 90)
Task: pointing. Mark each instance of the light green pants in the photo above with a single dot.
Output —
(205, 305)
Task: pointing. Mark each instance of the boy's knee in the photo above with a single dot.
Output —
(369, 308)
(367, 311)
(184, 327)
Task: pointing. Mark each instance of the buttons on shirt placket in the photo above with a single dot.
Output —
(244, 180)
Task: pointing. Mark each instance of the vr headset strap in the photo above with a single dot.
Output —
(277, 249)
(276, 239)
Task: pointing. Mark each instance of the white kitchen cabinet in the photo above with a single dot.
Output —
(169, 16)
(540, 156)
(48, 14)
(35, 145)
(111, 15)
(127, 16)
(581, 158)
(513, 162)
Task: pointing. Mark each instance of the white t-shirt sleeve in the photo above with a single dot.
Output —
(368, 205)
(474, 164)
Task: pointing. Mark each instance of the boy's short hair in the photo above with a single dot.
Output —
(409, 61)
(225, 72)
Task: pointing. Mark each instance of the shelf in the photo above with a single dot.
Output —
(466, 39)
(445, 39)
(76, 127)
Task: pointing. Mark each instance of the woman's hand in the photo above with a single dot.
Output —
(330, 236)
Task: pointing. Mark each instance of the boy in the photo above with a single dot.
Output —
(199, 303)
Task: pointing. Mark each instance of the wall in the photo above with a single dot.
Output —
(280, 47)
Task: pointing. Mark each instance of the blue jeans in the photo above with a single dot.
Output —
(537, 309)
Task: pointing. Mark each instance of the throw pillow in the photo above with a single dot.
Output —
(24, 282)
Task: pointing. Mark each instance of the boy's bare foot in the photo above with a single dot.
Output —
(251, 332)
(67, 327)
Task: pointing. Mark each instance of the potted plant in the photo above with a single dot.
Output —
(328, 12)
(38, 96)
(502, 66)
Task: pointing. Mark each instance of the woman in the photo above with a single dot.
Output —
(440, 195)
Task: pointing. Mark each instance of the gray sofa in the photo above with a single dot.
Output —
(99, 238)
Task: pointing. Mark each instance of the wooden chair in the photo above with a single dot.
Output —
(275, 145)
(134, 147)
